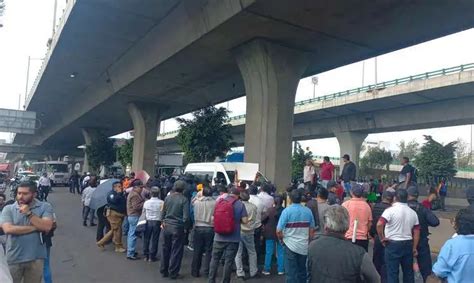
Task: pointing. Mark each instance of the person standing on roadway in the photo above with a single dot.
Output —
(134, 210)
(175, 217)
(152, 209)
(348, 174)
(326, 171)
(44, 186)
(427, 219)
(203, 231)
(379, 250)
(23, 222)
(399, 231)
(86, 199)
(295, 227)
(116, 211)
(331, 258)
(360, 216)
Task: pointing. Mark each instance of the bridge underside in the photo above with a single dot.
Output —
(179, 53)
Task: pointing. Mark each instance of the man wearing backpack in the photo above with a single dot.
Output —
(229, 213)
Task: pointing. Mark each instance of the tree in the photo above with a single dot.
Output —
(100, 152)
(436, 161)
(206, 136)
(298, 161)
(463, 155)
(376, 158)
(409, 149)
(125, 153)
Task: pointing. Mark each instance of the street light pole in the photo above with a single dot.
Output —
(54, 17)
(27, 80)
(314, 80)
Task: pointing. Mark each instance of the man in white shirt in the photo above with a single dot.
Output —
(152, 209)
(399, 231)
(308, 175)
(44, 184)
(86, 199)
(255, 200)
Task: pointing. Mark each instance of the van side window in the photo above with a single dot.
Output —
(221, 177)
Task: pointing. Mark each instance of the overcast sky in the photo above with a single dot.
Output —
(28, 25)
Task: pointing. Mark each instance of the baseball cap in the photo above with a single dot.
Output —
(357, 190)
(413, 191)
(331, 184)
(470, 192)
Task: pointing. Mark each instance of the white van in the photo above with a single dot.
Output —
(223, 171)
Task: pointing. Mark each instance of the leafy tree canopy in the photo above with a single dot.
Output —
(436, 161)
(101, 151)
(298, 161)
(376, 158)
(409, 149)
(125, 153)
(206, 136)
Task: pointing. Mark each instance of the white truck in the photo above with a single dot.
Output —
(224, 172)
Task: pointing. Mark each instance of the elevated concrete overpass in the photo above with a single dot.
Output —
(122, 64)
(440, 98)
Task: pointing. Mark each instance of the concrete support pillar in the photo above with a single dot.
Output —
(146, 123)
(89, 135)
(271, 74)
(350, 143)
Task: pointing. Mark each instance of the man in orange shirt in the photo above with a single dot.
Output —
(360, 216)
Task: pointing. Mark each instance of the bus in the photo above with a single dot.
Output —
(58, 171)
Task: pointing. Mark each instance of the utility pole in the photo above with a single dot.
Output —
(363, 72)
(27, 80)
(54, 17)
(375, 72)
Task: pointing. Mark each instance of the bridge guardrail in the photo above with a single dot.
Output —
(372, 87)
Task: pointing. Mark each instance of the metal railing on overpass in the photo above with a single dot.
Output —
(369, 88)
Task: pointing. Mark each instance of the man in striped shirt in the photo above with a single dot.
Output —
(295, 227)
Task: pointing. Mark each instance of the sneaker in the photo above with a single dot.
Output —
(84, 224)
(281, 273)
(120, 250)
(132, 258)
(266, 273)
(190, 248)
(93, 224)
(101, 247)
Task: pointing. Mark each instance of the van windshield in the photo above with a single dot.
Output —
(202, 177)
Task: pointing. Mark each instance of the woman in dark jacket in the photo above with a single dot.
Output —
(270, 220)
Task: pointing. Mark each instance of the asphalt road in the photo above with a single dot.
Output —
(75, 257)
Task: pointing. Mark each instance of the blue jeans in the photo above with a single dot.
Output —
(399, 253)
(295, 266)
(131, 237)
(47, 268)
(125, 226)
(347, 188)
(269, 249)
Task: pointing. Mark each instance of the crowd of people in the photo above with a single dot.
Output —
(251, 229)
(316, 231)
